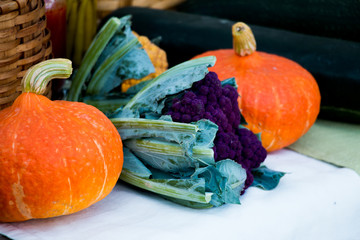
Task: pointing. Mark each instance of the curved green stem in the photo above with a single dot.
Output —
(97, 82)
(38, 76)
(91, 56)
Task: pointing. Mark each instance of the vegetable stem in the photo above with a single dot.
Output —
(158, 187)
(165, 151)
(243, 39)
(168, 83)
(91, 56)
(38, 76)
(131, 127)
(96, 83)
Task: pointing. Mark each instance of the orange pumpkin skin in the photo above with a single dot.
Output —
(278, 97)
(56, 158)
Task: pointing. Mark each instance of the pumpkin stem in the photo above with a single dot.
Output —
(243, 39)
(38, 76)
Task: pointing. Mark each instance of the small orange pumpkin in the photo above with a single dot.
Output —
(278, 97)
(56, 157)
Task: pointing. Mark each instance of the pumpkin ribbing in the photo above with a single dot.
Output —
(56, 157)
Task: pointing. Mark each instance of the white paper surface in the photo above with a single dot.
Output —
(314, 200)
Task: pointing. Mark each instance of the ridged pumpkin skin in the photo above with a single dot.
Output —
(56, 158)
(278, 97)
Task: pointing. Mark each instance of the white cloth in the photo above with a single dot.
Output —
(314, 200)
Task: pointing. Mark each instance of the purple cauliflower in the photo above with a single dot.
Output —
(208, 99)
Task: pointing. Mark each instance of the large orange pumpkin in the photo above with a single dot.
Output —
(278, 97)
(56, 157)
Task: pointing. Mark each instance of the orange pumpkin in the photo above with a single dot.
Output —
(56, 157)
(278, 97)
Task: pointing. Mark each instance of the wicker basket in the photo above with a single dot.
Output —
(24, 41)
(105, 7)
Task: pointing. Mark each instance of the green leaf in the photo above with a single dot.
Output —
(91, 56)
(114, 56)
(235, 179)
(194, 141)
(186, 189)
(170, 82)
(105, 78)
(182, 133)
(123, 58)
(169, 156)
(205, 137)
(136, 173)
(229, 81)
(266, 178)
(141, 127)
(207, 187)
(333, 142)
(226, 180)
(134, 166)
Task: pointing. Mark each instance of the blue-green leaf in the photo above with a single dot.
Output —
(170, 82)
(266, 178)
(134, 166)
(194, 141)
(114, 56)
(141, 127)
(205, 137)
(123, 58)
(226, 180)
(186, 189)
(99, 43)
(129, 61)
(169, 156)
(229, 81)
(206, 187)
(235, 179)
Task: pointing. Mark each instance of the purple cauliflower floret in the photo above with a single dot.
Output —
(208, 99)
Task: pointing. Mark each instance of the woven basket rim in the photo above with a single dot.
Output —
(7, 6)
(24, 41)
